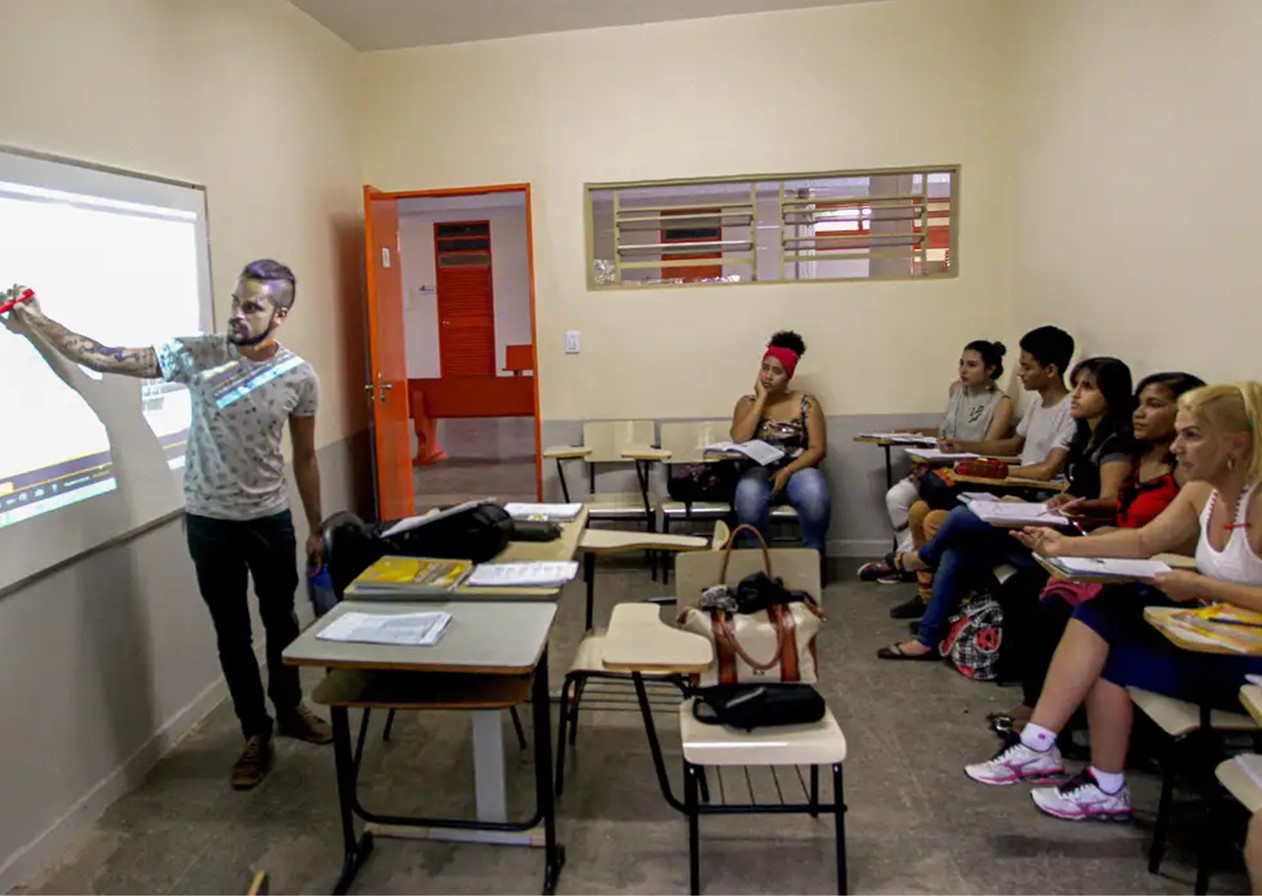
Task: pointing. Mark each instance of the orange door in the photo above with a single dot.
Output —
(466, 302)
(387, 351)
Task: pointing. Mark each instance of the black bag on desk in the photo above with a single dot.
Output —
(476, 533)
(751, 706)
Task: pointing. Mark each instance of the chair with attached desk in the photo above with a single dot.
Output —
(640, 643)
(588, 664)
(607, 442)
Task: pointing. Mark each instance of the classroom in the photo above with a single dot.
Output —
(1032, 168)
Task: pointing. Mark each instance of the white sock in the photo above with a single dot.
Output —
(1036, 737)
(1110, 782)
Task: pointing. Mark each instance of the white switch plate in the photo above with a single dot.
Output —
(571, 342)
(385, 256)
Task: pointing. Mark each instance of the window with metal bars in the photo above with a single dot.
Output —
(860, 225)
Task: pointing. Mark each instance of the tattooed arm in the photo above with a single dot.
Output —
(138, 362)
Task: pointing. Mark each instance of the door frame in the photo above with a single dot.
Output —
(524, 188)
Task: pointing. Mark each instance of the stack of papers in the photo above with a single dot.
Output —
(553, 513)
(756, 450)
(1106, 567)
(522, 575)
(404, 629)
(933, 455)
(1016, 513)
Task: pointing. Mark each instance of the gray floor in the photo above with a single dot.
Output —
(916, 824)
(486, 457)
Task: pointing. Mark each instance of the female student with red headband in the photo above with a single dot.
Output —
(790, 420)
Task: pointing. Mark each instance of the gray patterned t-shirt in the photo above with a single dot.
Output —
(233, 466)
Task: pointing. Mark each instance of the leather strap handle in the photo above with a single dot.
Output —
(731, 544)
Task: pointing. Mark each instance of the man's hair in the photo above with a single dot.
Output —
(1049, 345)
(276, 275)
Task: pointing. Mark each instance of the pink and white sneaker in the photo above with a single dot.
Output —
(1081, 799)
(1017, 762)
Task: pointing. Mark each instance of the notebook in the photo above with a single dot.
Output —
(756, 450)
(406, 577)
(1106, 567)
(933, 455)
(1016, 513)
(403, 629)
(522, 575)
(902, 438)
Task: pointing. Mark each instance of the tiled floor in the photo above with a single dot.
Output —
(916, 824)
(486, 457)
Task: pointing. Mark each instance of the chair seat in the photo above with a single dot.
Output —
(821, 743)
(783, 512)
(1241, 776)
(1179, 717)
(615, 505)
(697, 509)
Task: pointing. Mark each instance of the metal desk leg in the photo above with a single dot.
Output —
(889, 469)
(488, 765)
(589, 576)
(540, 704)
(354, 851)
(565, 489)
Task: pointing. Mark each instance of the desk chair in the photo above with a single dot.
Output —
(605, 442)
(260, 886)
(1239, 776)
(349, 549)
(588, 664)
(718, 747)
(686, 443)
(1181, 721)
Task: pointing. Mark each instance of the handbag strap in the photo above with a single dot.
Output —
(731, 544)
(723, 631)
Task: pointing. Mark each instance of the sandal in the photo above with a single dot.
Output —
(895, 652)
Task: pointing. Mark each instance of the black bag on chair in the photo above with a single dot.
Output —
(693, 483)
(750, 705)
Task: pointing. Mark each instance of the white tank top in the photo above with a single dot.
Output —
(1236, 562)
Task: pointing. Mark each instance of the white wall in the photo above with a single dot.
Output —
(916, 82)
(1136, 136)
(108, 660)
(510, 282)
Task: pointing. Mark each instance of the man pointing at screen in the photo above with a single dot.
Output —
(244, 385)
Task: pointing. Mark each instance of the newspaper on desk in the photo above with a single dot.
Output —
(400, 629)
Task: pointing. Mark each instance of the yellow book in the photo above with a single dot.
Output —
(411, 575)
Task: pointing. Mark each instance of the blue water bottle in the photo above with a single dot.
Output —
(320, 590)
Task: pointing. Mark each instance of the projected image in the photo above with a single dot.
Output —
(122, 273)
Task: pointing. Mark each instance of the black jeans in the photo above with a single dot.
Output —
(223, 551)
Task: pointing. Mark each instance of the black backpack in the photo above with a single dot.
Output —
(695, 483)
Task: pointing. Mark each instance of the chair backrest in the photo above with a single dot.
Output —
(698, 570)
(686, 441)
(607, 439)
(722, 532)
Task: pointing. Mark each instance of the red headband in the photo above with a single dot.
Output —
(787, 357)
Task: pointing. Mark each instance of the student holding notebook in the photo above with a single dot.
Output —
(794, 422)
(977, 409)
(1108, 646)
(966, 548)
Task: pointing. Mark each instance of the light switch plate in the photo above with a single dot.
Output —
(571, 342)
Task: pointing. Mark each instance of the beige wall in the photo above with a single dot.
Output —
(107, 661)
(1137, 138)
(248, 97)
(854, 86)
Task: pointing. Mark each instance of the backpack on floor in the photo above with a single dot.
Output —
(973, 638)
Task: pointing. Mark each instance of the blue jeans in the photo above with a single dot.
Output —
(806, 492)
(963, 553)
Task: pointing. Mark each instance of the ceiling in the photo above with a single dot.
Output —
(393, 24)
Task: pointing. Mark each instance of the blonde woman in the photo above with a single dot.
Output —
(1108, 645)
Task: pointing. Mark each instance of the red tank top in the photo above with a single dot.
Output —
(1139, 503)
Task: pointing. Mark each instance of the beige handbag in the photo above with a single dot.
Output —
(770, 645)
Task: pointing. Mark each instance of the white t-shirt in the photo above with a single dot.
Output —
(233, 468)
(1045, 429)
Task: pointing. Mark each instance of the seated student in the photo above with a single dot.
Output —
(977, 409)
(966, 546)
(1042, 439)
(1108, 645)
(793, 421)
(1150, 486)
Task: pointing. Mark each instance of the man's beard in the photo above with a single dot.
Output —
(250, 341)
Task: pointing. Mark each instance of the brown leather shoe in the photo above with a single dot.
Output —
(302, 724)
(253, 764)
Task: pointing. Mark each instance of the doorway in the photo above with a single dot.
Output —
(452, 343)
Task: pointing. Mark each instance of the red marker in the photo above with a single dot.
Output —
(26, 296)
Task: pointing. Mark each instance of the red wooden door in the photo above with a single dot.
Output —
(466, 302)
(388, 390)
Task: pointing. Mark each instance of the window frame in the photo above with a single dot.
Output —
(753, 181)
